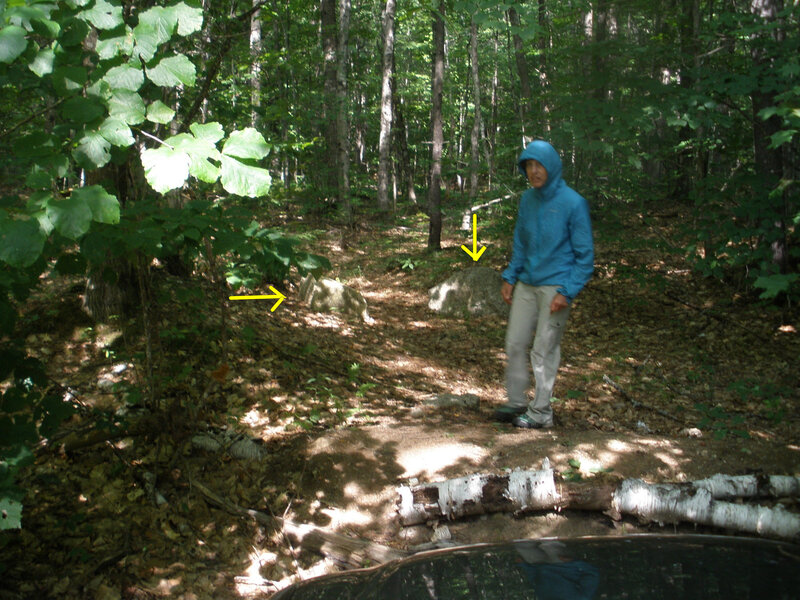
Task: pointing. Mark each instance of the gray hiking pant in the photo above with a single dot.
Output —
(531, 320)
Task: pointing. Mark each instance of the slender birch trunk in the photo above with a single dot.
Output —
(342, 129)
(437, 130)
(384, 139)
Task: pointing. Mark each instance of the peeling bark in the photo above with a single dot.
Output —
(699, 502)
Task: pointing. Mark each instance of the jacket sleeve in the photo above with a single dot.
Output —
(580, 235)
(511, 274)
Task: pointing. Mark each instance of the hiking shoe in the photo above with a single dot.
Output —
(525, 422)
(506, 414)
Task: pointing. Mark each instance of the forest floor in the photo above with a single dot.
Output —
(337, 410)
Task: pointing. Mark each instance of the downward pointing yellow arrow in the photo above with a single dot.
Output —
(474, 253)
(275, 294)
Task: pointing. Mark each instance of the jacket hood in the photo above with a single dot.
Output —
(544, 153)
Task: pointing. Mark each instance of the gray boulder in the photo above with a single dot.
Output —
(474, 291)
(327, 295)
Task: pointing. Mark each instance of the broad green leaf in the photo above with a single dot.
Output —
(158, 112)
(71, 216)
(127, 106)
(210, 132)
(104, 206)
(93, 151)
(165, 169)
(247, 143)
(190, 18)
(46, 28)
(116, 131)
(782, 137)
(125, 77)
(42, 64)
(173, 71)
(81, 110)
(110, 46)
(774, 285)
(21, 242)
(103, 15)
(69, 79)
(73, 32)
(244, 180)
(12, 513)
(146, 41)
(23, 15)
(12, 43)
(162, 21)
(199, 151)
(202, 169)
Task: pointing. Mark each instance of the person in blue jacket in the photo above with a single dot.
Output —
(551, 261)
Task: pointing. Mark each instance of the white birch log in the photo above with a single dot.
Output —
(696, 502)
(725, 487)
(672, 504)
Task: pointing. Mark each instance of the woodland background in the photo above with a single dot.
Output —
(158, 157)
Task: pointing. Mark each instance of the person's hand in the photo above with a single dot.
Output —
(507, 291)
(558, 303)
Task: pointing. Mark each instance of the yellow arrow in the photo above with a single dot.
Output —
(474, 253)
(275, 294)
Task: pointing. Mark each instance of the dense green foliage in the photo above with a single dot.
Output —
(127, 135)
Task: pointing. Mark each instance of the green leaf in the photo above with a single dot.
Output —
(125, 77)
(81, 110)
(21, 242)
(12, 43)
(165, 169)
(199, 151)
(173, 71)
(782, 137)
(104, 206)
(774, 285)
(247, 143)
(69, 79)
(112, 45)
(10, 513)
(161, 21)
(42, 64)
(190, 18)
(244, 180)
(146, 41)
(93, 151)
(210, 132)
(574, 463)
(71, 216)
(46, 28)
(158, 112)
(103, 15)
(127, 106)
(116, 131)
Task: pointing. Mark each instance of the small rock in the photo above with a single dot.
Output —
(470, 401)
(327, 295)
(474, 291)
(642, 427)
(441, 533)
(692, 432)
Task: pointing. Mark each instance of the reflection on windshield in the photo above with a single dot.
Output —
(554, 574)
(529, 570)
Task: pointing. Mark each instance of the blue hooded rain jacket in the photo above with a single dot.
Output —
(553, 235)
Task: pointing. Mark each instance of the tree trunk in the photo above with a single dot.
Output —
(769, 161)
(401, 141)
(384, 139)
(437, 87)
(520, 491)
(526, 101)
(255, 65)
(342, 129)
(476, 101)
(543, 44)
(327, 161)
